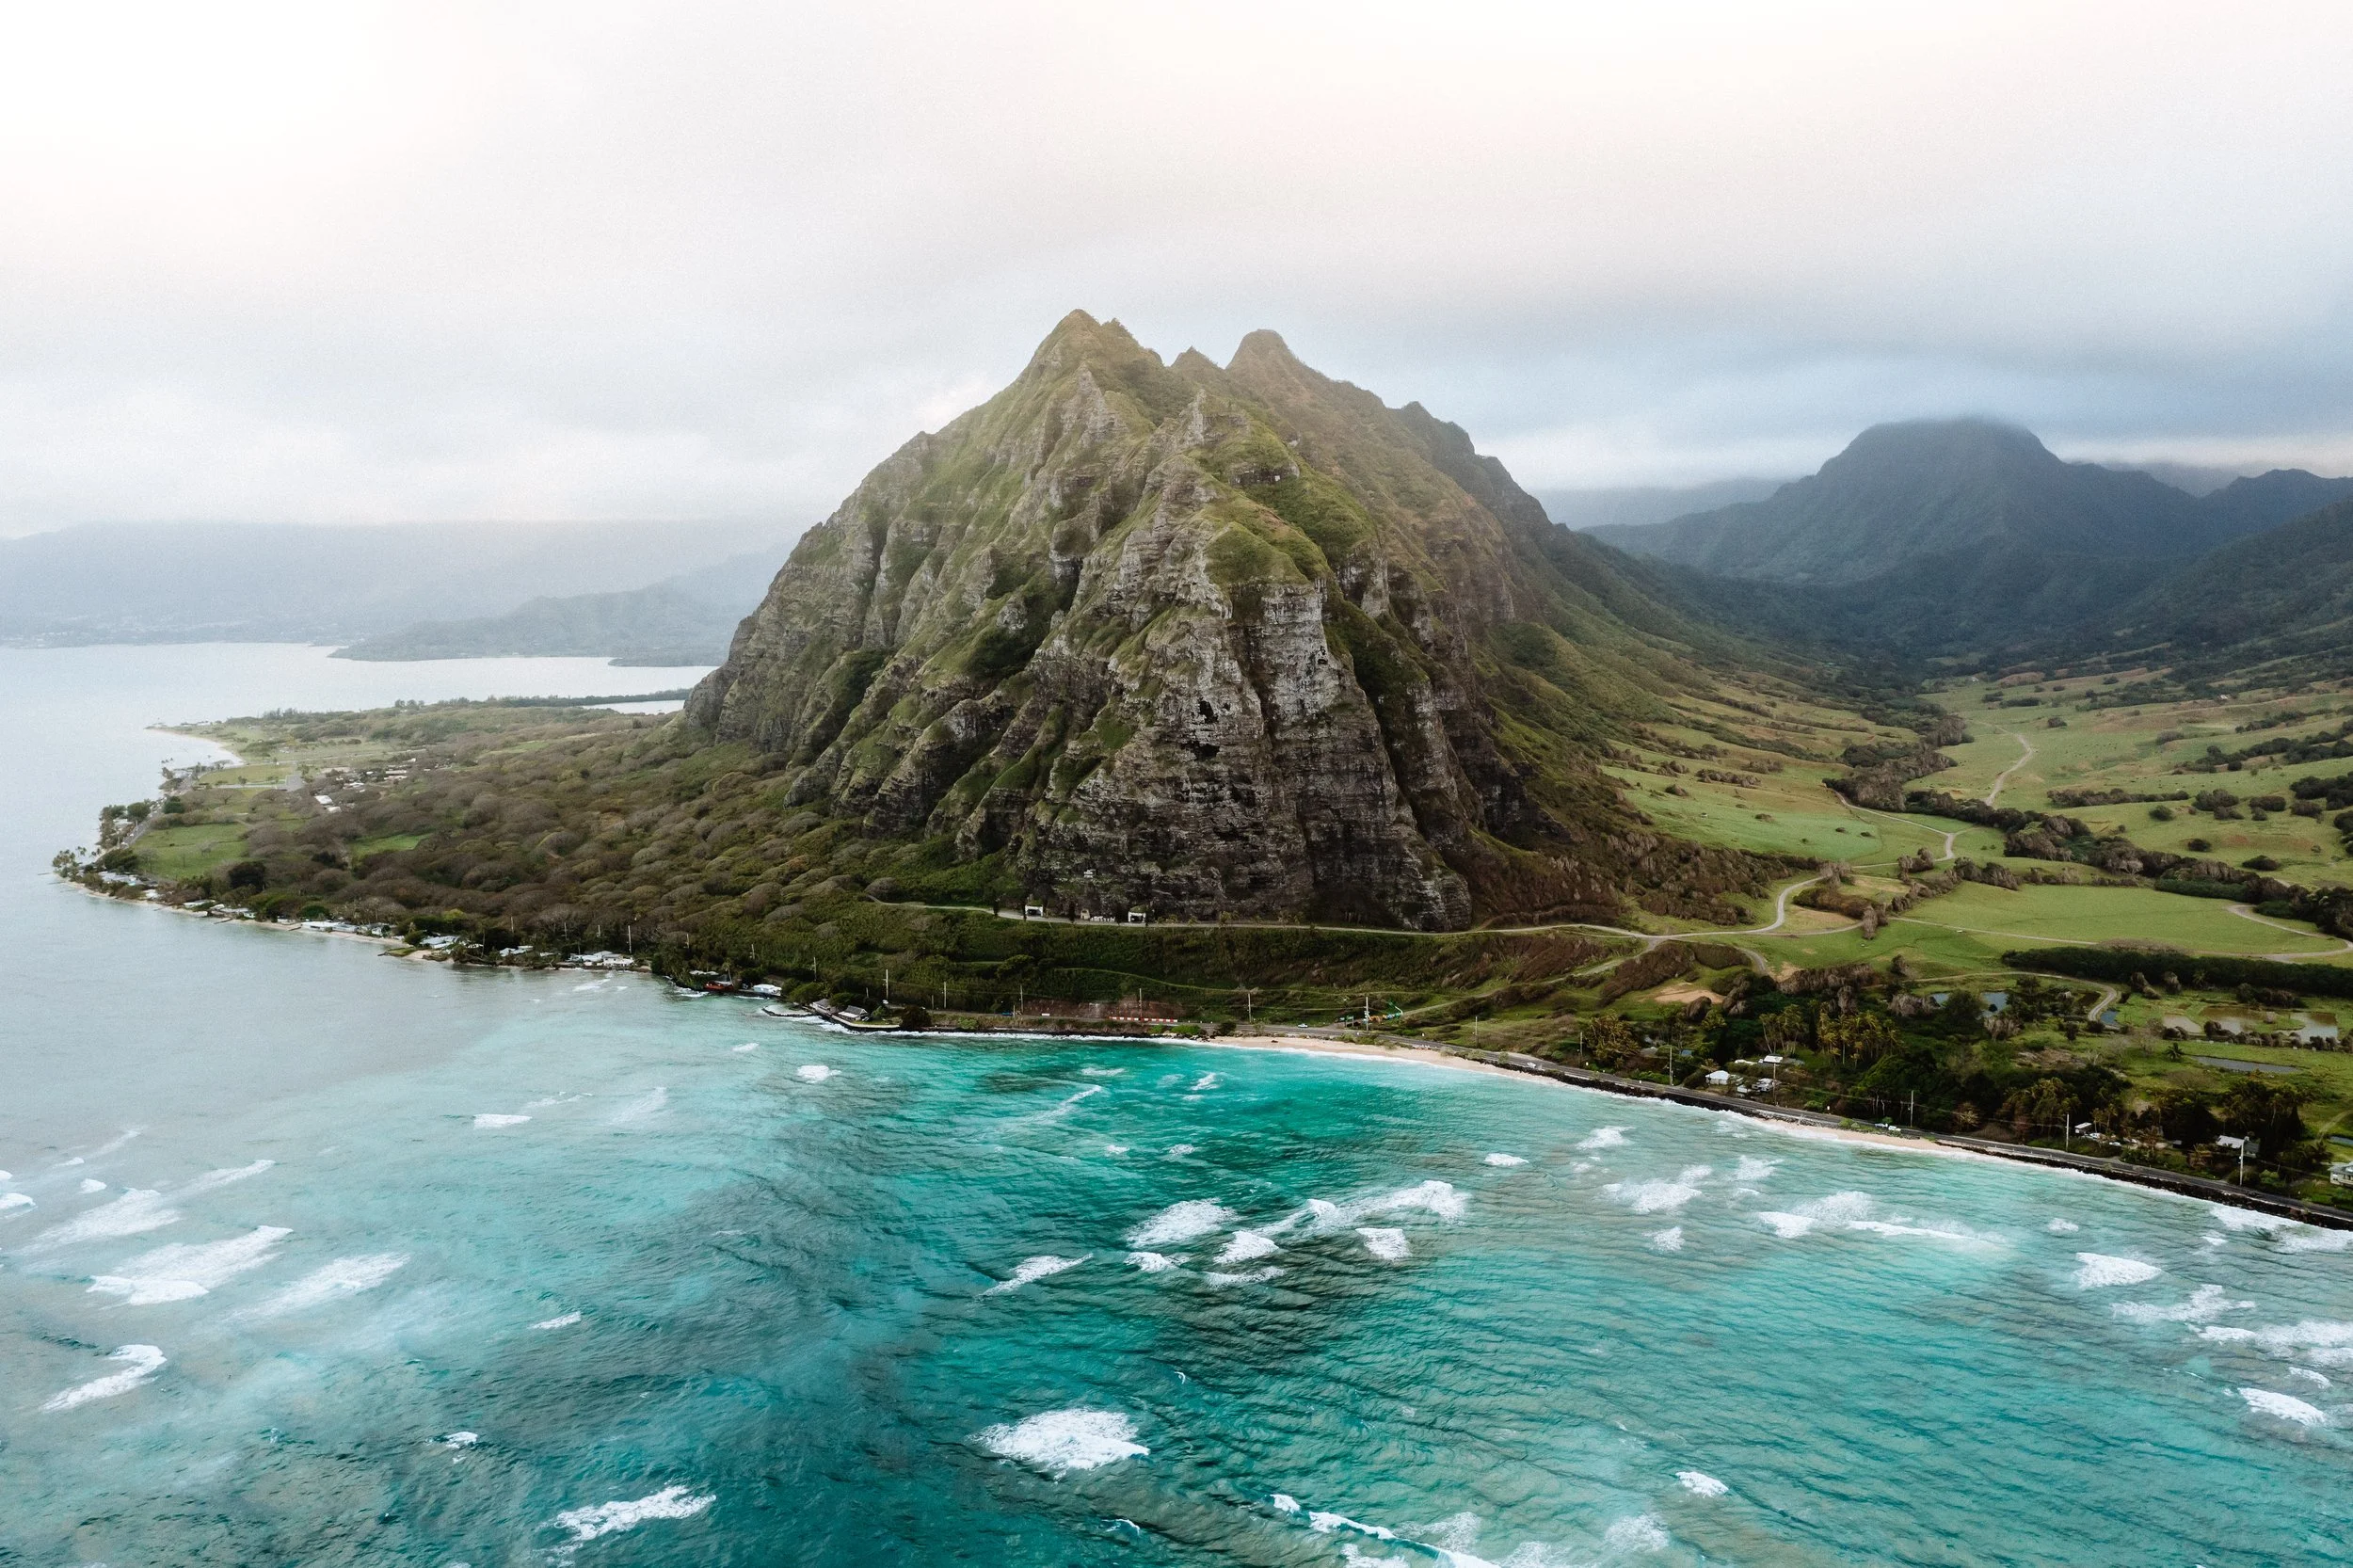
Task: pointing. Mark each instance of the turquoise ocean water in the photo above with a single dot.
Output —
(326, 1259)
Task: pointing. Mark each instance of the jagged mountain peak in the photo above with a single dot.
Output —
(1231, 641)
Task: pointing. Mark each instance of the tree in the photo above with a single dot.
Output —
(2046, 1108)
(1607, 1040)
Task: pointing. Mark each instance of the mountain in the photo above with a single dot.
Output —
(1218, 641)
(1961, 535)
(1902, 493)
(174, 583)
(1635, 505)
(687, 620)
(2189, 478)
(2283, 599)
(2245, 506)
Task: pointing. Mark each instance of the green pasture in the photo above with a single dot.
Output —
(1789, 812)
(2088, 914)
(190, 852)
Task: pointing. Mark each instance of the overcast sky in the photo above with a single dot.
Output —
(342, 262)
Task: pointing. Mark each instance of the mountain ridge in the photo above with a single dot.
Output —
(1218, 640)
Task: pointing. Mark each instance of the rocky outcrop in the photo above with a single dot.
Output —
(1213, 641)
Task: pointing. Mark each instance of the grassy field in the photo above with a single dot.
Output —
(2137, 750)
(189, 852)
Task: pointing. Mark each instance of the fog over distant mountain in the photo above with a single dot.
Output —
(148, 583)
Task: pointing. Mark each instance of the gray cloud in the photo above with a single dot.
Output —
(716, 261)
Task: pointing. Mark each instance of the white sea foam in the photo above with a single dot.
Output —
(2062, 1228)
(1153, 1262)
(1753, 1169)
(1070, 1103)
(1284, 1503)
(1206, 1080)
(1256, 1276)
(212, 1180)
(2330, 1344)
(1701, 1484)
(2308, 1238)
(671, 1502)
(11, 1202)
(746, 1045)
(499, 1118)
(144, 1360)
(2248, 1219)
(2215, 1238)
(1659, 1195)
(1604, 1138)
(458, 1439)
(1642, 1532)
(178, 1274)
(345, 1277)
(1115, 1148)
(814, 1072)
(1389, 1246)
(2287, 1407)
(1031, 1269)
(138, 1210)
(1505, 1159)
(1102, 1072)
(2100, 1271)
(1178, 1151)
(1440, 1198)
(1326, 1523)
(91, 1184)
(2320, 1378)
(1061, 1441)
(645, 1105)
(562, 1320)
(2205, 1304)
(1182, 1221)
(1246, 1245)
(1788, 1227)
(1669, 1240)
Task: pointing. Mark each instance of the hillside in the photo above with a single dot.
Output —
(159, 582)
(2276, 608)
(1959, 537)
(1218, 641)
(686, 619)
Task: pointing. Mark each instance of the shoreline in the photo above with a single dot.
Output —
(1511, 1064)
(1814, 1124)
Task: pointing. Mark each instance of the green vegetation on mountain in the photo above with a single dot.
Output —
(1238, 641)
(1959, 538)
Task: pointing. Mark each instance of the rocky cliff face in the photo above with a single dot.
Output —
(1238, 641)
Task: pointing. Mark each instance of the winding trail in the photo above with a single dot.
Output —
(2246, 912)
(2003, 777)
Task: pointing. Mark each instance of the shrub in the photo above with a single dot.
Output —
(2198, 846)
(2160, 813)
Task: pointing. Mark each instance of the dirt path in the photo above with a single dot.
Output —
(2003, 777)
(2246, 912)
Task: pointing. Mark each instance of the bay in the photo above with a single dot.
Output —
(331, 1259)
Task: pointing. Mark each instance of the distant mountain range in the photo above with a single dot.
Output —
(1634, 505)
(1943, 536)
(142, 582)
(686, 619)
